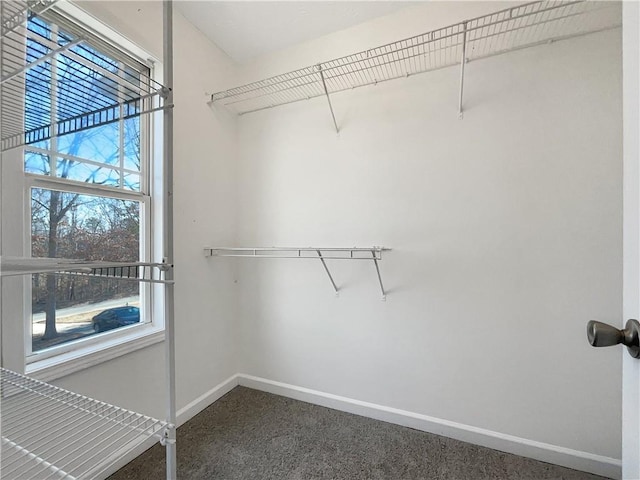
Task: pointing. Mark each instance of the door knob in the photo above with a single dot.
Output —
(604, 335)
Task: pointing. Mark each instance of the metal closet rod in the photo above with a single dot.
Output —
(316, 253)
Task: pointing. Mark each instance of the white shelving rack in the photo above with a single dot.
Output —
(48, 432)
(473, 39)
(372, 254)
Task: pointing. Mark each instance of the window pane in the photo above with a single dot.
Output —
(100, 144)
(84, 307)
(131, 182)
(96, 58)
(37, 99)
(132, 144)
(79, 80)
(37, 79)
(36, 162)
(72, 225)
(84, 86)
(88, 173)
(40, 27)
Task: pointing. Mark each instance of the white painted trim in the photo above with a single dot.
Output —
(566, 457)
(63, 360)
(79, 15)
(189, 411)
(631, 234)
(545, 452)
(67, 363)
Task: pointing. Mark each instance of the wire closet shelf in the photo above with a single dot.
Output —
(91, 89)
(500, 32)
(51, 433)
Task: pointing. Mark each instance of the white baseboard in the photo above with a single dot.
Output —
(182, 416)
(203, 401)
(545, 452)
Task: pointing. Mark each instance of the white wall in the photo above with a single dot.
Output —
(205, 178)
(506, 229)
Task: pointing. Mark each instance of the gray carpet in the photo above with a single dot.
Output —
(254, 435)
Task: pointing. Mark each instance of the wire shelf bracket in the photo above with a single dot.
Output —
(326, 92)
(373, 254)
(507, 30)
(463, 60)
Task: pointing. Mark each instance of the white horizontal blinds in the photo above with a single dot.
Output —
(49, 432)
(94, 83)
(502, 31)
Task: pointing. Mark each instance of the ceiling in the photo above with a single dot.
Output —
(247, 29)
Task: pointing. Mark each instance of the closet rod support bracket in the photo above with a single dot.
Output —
(326, 269)
(326, 92)
(463, 60)
(375, 262)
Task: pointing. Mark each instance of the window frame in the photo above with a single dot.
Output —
(146, 293)
(67, 358)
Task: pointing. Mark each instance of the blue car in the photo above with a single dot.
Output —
(116, 317)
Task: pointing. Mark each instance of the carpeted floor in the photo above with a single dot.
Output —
(252, 435)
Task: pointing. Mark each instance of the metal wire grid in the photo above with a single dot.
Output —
(298, 252)
(500, 32)
(49, 432)
(16, 12)
(141, 272)
(536, 23)
(138, 271)
(90, 89)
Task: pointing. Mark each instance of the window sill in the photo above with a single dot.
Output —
(67, 363)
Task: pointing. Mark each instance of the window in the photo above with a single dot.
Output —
(88, 193)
